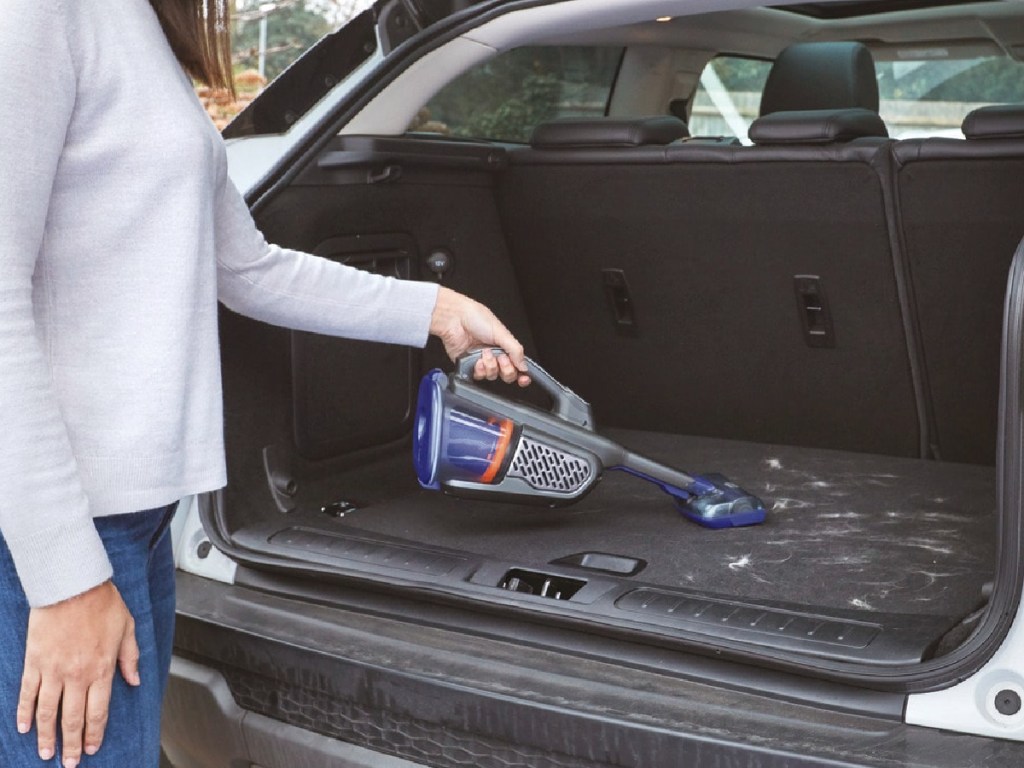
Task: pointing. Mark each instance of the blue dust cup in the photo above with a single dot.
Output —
(456, 444)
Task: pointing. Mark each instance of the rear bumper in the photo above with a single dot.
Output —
(206, 728)
(271, 681)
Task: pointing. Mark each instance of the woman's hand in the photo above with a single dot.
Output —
(463, 324)
(71, 653)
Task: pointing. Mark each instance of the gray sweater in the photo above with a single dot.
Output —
(119, 231)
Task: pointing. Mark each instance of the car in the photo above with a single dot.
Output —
(777, 244)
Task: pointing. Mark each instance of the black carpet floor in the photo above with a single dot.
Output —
(845, 530)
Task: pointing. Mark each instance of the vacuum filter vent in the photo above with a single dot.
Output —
(549, 469)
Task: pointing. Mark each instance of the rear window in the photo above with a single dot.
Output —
(929, 92)
(728, 97)
(923, 92)
(506, 97)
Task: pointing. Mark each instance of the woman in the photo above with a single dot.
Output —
(119, 231)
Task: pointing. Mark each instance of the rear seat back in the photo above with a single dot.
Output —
(688, 254)
(714, 290)
(677, 288)
(960, 218)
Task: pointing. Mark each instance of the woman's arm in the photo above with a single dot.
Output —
(44, 514)
(75, 641)
(308, 293)
(463, 324)
(305, 292)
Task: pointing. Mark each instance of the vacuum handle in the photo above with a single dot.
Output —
(567, 404)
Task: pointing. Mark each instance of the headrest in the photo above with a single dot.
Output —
(821, 76)
(1005, 121)
(819, 126)
(608, 132)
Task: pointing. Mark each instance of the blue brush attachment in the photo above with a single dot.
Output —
(711, 500)
(727, 506)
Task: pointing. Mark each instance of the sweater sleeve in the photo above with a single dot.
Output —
(309, 293)
(44, 513)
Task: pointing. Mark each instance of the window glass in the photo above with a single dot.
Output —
(923, 93)
(728, 97)
(932, 96)
(507, 96)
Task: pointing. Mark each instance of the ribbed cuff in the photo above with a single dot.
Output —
(60, 562)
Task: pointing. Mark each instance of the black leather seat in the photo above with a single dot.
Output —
(666, 289)
(605, 132)
(838, 75)
(959, 217)
(819, 93)
(693, 255)
(817, 126)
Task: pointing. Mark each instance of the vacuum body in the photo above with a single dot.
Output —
(471, 443)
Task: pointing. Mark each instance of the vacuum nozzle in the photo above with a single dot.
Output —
(711, 500)
(727, 506)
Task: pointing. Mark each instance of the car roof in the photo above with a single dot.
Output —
(848, 9)
(977, 27)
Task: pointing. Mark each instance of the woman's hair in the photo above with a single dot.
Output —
(199, 34)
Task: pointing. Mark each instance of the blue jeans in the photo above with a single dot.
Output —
(139, 547)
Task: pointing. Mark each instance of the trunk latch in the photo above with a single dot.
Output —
(541, 584)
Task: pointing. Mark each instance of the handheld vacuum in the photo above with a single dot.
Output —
(472, 443)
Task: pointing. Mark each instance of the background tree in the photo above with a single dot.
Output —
(507, 96)
(337, 12)
(994, 79)
(291, 29)
(741, 74)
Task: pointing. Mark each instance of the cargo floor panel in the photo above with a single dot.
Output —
(845, 531)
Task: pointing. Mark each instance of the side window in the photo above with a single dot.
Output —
(922, 96)
(728, 97)
(507, 96)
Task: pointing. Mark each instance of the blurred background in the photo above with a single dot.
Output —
(267, 36)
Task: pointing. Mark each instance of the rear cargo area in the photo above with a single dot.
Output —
(678, 294)
(845, 531)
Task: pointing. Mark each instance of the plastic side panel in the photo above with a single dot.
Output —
(960, 221)
(193, 551)
(329, 375)
(991, 702)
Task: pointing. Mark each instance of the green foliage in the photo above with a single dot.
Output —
(506, 97)
(290, 31)
(994, 79)
(515, 117)
(739, 75)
